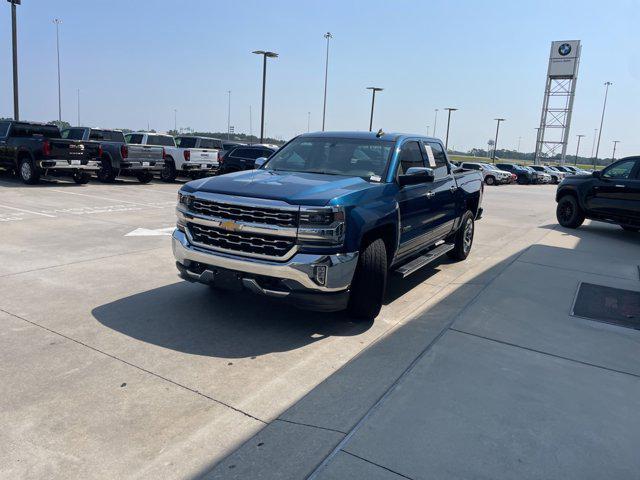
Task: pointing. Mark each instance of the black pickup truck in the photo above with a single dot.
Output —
(35, 149)
(118, 158)
(611, 195)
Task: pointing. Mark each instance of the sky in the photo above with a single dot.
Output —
(135, 62)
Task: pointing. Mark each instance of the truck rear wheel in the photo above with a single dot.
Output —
(106, 174)
(81, 178)
(569, 213)
(168, 173)
(369, 282)
(144, 177)
(463, 239)
(27, 171)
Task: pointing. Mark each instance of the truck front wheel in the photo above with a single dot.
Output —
(569, 213)
(369, 282)
(463, 239)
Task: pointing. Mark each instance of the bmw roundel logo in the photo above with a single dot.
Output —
(564, 49)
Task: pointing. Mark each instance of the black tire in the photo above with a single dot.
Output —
(144, 177)
(630, 229)
(569, 213)
(81, 178)
(168, 173)
(463, 239)
(28, 172)
(490, 180)
(369, 282)
(106, 174)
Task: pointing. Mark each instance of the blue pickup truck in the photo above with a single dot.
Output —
(324, 220)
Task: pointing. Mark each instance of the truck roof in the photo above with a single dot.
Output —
(151, 133)
(386, 136)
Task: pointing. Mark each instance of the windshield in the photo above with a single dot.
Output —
(333, 156)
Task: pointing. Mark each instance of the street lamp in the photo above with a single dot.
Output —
(613, 156)
(175, 120)
(604, 106)
(308, 121)
(428, 130)
(578, 148)
(57, 21)
(435, 122)
(495, 142)
(326, 74)
(14, 39)
(229, 115)
(449, 109)
(264, 54)
(373, 102)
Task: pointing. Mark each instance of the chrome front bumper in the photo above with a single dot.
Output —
(296, 274)
(67, 165)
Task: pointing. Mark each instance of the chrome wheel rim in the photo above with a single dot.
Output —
(25, 170)
(566, 211)
(467, 238)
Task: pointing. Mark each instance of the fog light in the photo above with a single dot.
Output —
(320, 274)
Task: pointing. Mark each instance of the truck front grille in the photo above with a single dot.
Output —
(251, 243)
(242, 213)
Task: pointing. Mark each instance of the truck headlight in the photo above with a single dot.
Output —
(321, 226)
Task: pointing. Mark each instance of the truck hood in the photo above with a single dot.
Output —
(292, 187)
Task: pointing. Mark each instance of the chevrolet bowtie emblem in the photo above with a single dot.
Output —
(229, 225)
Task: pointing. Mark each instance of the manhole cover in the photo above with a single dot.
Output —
(608, 305)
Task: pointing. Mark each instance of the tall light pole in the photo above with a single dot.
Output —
(265, 55)
(593, 145)
(250, 122)
(229, 115)
(175, 120)
(613, 156)
(308, 121)
(495, 142)
(78, 107)
(14, 40)
(519, 140)
(428, 130)
(57, 21)
(435, 122)
(373, 102)
(449, 109)
(326, 74)
(604, 106)
(577, 149)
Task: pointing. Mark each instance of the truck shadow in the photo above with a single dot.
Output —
(196, 320)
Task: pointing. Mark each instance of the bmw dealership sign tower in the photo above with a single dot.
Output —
(557, 106)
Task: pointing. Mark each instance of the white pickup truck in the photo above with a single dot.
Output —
(179, 160)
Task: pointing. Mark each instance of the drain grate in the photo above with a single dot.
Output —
(608, 305)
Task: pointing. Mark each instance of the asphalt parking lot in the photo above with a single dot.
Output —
(113, 367)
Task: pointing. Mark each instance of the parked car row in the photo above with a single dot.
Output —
(33, 150)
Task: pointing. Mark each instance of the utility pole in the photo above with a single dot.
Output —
(265, 55)
(604, 106)
(14, 40)
(229, 115)
(250, 123)
(435, 122)
(308, 121)
(428, 130)
(446, 142)
(593, 145)
(78, 91)
(373, 102)
(495, 142)
(613, 156)
(57, 21)
(519, 140)
(175, 120)
(578, 148)
(326, 74)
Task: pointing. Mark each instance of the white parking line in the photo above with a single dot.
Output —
(27, 211)
(105, 198)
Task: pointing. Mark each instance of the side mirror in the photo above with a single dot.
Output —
(596, 174)
(259, 162)
(416, 175)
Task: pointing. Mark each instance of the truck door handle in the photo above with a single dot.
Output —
(430, 194)
(619, 186)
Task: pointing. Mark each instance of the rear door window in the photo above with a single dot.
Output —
(161, 140)
(186, 142)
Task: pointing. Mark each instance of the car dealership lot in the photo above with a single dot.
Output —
(113, 367)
